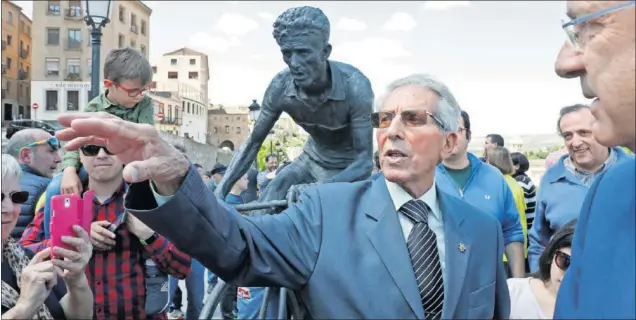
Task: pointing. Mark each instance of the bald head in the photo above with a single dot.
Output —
(23, 138)
(42, 158)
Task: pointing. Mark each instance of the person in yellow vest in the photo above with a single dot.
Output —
(499, 157)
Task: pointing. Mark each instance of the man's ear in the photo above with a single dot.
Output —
(25, 156)
(450, 142)
(326, 52)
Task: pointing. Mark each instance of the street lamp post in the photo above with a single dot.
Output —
(97, 13)
(254, 110)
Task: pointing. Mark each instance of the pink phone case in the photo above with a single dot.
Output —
(68, 210)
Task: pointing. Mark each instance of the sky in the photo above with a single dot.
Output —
(496, 57)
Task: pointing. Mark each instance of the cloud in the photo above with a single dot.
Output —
(380, 59)
(209, 43)
(350, 24)
(444, 5)
(400, 21)
(234, 24)
(267, 16)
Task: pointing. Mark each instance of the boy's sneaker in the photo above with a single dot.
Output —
(176, 314)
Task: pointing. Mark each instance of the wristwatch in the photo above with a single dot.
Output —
(150, 240)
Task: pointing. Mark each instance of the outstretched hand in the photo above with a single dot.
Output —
(139, 146)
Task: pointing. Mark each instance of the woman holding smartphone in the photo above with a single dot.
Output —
(34, 286)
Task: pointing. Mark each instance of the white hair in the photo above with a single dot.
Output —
(10, 168)
(448, 110)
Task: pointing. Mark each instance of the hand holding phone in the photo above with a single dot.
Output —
(102, 235)
(66, 211)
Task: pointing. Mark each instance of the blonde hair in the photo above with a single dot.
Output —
(499, 157)
(10, 168)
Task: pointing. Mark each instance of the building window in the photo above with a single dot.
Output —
(9, 63)
(142, 48)
(51, 99)
(133, 43)
(52, 66)
(122, 41)
(90, 66)
(133, 22)
(188, 107)
(54, 7)
(73, 68)
(173, 62)
(238, 130)
(173, 75)
(227, 129)
(216, 130)
(53, 36)
(154, 69)
(74, 38)
(9, 38)
(122, 14)
(72, 100)
(10, 17)
(193, 75)
(75, 9)
(143, 27)
(193, 62)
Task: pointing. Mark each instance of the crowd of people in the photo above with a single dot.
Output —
(433, 232)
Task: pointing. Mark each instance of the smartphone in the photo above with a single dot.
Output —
(68, 210)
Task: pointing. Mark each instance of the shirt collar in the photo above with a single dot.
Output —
(119, 193)
(569, 164)
(336, 92)
(400, 197)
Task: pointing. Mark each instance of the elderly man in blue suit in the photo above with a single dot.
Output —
(394, 247)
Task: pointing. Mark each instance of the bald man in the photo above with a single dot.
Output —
(37, 153)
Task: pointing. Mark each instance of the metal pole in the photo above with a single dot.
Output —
(96, 35)
(271, 147)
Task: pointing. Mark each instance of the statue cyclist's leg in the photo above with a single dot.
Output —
(297, 172)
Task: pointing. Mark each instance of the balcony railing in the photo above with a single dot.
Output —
(24, 53)
(73, 14)
(73, 76)
(4, 44)
(73, 45)
(52, 72)
(133, 28)
(23, 75)
(174, 122)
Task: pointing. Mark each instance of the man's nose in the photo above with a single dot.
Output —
(102, 154)
(57, 158)
(396, 128)
(569, 62)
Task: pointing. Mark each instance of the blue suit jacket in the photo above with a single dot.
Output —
(341, 248)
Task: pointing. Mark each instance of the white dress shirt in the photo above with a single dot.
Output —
(435, 220)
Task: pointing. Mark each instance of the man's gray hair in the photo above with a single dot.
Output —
(21, 139)
(448, 110)
(301, 21)
(127, 64)
(11, 169)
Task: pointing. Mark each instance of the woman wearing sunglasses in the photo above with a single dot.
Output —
(535, 297)
(34, 286)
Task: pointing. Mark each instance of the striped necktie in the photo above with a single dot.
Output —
(422, 246)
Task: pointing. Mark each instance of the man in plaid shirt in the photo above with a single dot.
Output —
(121, 243)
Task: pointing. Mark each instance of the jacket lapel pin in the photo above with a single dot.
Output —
(461, 247)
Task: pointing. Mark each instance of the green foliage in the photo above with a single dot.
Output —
(265, 150)
(541, 154)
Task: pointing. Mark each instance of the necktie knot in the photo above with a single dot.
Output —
(416, 211)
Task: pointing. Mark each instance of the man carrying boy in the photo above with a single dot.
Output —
(127, 77)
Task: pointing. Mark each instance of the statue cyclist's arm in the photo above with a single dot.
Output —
(361, 107)
(246, 154)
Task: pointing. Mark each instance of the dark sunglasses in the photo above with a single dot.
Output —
(410, 118)
(562, 260)
(53, 142)
(92, 150)
(18, 196)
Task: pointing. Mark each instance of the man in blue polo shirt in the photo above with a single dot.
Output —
(483, 186)
(600, 283)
